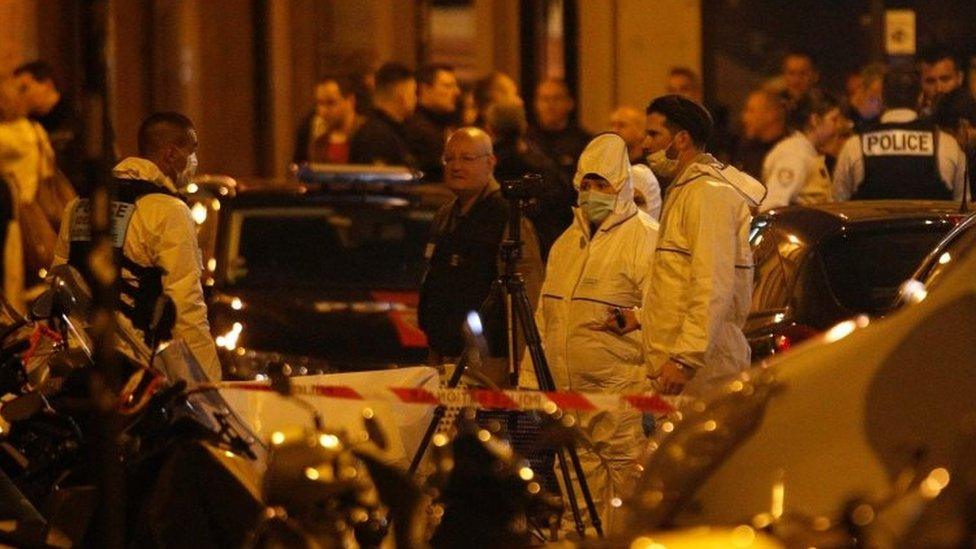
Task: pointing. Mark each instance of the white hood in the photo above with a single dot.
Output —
(134, 167)
(646, 183)
(748, 186)
(606, 155)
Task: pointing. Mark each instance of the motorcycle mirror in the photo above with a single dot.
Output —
(278, 373)
(22, 407)
(56, 301)
(163, 318)
(74, 283)
(373, 429)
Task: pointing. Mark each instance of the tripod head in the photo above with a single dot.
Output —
(518, 192)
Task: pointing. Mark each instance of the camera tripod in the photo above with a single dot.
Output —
(509, 288)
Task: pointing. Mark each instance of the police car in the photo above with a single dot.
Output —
(321, 271)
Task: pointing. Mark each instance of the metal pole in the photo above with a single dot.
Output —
(106, 375)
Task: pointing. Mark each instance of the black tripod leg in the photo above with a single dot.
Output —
(546, 383)
(571, 493)
(585, 490)
(439, 412)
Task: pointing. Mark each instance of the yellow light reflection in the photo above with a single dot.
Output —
(199, 213)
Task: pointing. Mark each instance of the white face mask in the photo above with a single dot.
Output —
(662, 164)
(186, 176)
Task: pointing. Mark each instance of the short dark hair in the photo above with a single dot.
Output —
(815, 101)
(954, 106)
(426, 74)
(557, 81)
(161, 129)
(901, 88)
(799, 52)
(39, 70)
(682, 113)
(934, 54)
(507, 119)
(346, 83)
(391, 74)
(687, 73)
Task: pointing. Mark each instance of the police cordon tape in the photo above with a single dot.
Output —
(487, 399)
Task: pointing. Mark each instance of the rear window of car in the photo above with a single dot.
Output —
(864, 268)
(343, 245)
(777, 257)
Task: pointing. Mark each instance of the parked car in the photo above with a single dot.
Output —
(321, 274)
(818, 265)
(939, 261)
(863, 436)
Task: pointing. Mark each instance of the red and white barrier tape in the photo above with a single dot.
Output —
(480, 398)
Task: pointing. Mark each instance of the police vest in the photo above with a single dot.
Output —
(138, 287)
(901, 161)
(462, 262)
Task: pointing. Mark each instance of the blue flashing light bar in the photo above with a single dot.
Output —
(356, 173)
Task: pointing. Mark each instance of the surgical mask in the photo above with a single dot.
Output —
(662, 164)
(186, 176)
(596, 206)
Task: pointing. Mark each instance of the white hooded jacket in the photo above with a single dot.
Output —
(586, 273)
(700, 290)
(647, 184)
(162, 234)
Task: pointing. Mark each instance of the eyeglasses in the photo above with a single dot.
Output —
(445, 160)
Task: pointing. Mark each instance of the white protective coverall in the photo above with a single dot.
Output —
(701, 279)
(585, 275)
(162, 234)
(646, 183)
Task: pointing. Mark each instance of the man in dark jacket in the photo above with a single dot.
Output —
(551, 209)
(382, 138)
(463, 251)
(555, 132)
(435, 118)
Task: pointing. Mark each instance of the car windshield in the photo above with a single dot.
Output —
(865, 268)
(358, 245)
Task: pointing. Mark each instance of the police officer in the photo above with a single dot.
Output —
(463, 250)
(901, 156)
(795, 170)
(155, 242)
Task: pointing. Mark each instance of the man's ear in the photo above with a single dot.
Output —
(682, 141)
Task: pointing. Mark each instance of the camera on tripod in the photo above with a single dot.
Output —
(527, 187)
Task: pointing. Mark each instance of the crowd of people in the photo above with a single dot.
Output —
(640, 293)
(636, 254)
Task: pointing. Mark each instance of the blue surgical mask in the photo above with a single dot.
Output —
(596, 206)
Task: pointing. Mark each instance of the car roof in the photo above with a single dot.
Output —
(816, 221)
(286, 191)
(880, 210)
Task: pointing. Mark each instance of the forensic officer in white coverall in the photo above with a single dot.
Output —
(600, 263)
(701, 280)
(155, 240)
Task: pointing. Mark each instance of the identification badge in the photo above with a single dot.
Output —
(81, 229)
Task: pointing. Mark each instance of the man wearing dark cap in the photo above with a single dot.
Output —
(701, 280)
